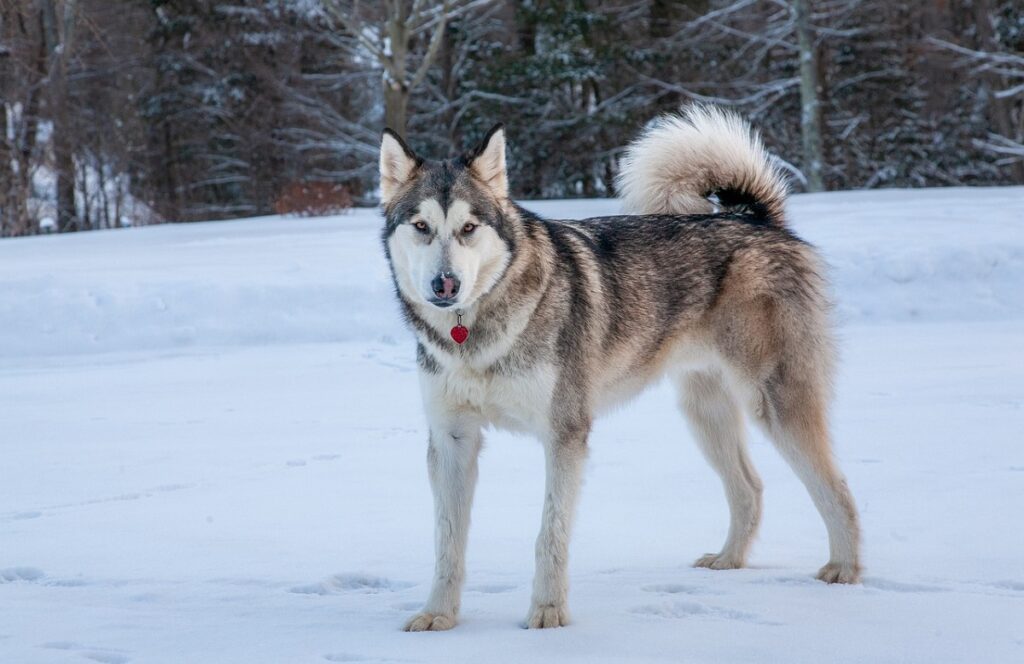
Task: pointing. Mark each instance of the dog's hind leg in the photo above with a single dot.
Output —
(793, 414)
(716, 421)
(565, 455)
(770, 324)
(452, 466)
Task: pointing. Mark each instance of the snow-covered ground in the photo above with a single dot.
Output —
(212, 450)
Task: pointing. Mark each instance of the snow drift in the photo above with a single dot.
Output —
(896, 255)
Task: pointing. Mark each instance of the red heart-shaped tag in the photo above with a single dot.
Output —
(460, 333)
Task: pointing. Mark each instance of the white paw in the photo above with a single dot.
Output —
(547, 615)
(430, 622)
(718, 561)
(839, 573)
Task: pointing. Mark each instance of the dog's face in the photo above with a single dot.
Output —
(447, 235)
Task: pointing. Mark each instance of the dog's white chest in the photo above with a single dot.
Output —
(519, 402)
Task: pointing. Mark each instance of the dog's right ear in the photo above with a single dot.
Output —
(397, 163)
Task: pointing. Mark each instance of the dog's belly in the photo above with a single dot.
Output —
(624, 377)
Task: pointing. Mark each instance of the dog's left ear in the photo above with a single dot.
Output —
(487, 161)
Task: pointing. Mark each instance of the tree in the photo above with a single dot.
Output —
(59, 19)
(18, 108)
(23, 71)
(387, 35)
(1000, 80)
(810, 91)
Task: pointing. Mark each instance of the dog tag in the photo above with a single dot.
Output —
(460, 333)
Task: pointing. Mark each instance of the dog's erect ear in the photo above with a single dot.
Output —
(397, 163)
(487, 161)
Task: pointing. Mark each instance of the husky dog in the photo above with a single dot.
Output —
(538, 326)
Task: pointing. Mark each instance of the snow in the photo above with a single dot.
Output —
(213, 450)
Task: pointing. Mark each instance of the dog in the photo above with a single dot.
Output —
(539, 326)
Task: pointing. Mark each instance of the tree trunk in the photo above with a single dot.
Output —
(57, 27)
(85, 220)
(810, 106)
(396, 105)
(7, 178)
(64, 163)
(396, 86)
(103, 217)
(450, 87)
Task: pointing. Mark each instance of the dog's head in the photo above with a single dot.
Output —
(448, 233)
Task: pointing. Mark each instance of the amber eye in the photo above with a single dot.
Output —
(469, 228)
(421, 226)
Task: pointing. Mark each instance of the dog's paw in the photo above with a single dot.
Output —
(718, 561)
(547, 615)
(839, 573)
(430, 622)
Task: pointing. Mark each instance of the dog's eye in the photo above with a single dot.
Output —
(469, 228)
(421, 226)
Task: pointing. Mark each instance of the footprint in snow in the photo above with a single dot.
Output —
(34, 575)
(174, 487)
(348, 583)
(789, 581)
(67, 583)
(1017, 586)
(132, 495)
(678, 588)
(12, 574)
(59, 645)
(492, 588)
(687, 609)
(348, 657)
(101, 655)
(901, 587)
(105, 657)
(255, 582)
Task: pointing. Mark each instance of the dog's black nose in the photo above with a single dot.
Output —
(445, 285)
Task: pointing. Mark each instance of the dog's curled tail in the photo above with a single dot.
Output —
(682, 160)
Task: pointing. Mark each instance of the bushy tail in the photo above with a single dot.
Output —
(681, 160)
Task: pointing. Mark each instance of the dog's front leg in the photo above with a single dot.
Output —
(565, 454)
(452, 465)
